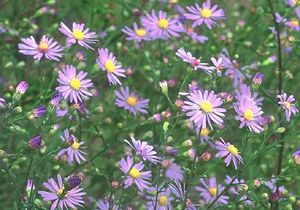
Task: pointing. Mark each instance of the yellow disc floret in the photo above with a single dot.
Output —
(287, 104)
(43, 46)
(206, 106)
(110, 66)
(163, 200)
(206, 13)
(131, 101)
(213, 191)
(75, 145)
(60, 191)
(77, 34)
(163, 23)
(248, 114)
(134, 173)
(75, 83)
(232, 149)
(140, 32)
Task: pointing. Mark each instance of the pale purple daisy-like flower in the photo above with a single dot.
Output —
(160, 26)
(286, 103)
(73, 85)
(229, 152)
(238, 184)
(276, 190)
(249, 114)
(74, 151)
(207, 14)
(291, 3)
(173, 170)
(60, 196)
(78, 34)
(210, 190)
(47, 47)
(204, 107)
(244, 93)
(134, 173)
(179, 191)
(131, 101)
(195, 63)
(218, 64)
(161, 198)
(292, 23)
(104, 205)
(296, 156)
(144, 150)
(194, 36)
(137, 33)
(107, 62)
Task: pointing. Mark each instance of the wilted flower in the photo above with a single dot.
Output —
(37, 112)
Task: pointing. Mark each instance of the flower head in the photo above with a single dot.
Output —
(235, 189)
(60, 196)
(135, 173)
(173, 170)
(107, 62)
(286, 103)
(137, 33)
(131, 101)
(47, 47)
(229, 152)
(210, 190)
(160, 26)
(161, 198)
(143, 150)
(206, 14)
(195, 63)
(38, 112)
(73, 85)
(78, 35)
(204, 107)
(35, 142)
(74, 151)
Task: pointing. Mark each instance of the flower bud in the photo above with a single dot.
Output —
(258, 79)
(18, 109)
(164, 87)
(56, 98)
(187, 143)
(21, 88)
(74, 181)
(37, 112)
(280, 130)
(257, 182)
(35, 142)
(206, 156)
(115, 184)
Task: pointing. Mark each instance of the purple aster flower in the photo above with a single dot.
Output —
(173, 170)
(61, 197)
(47, 47)
(229, 152)
(296, 156)
(55, 99)
(104, 205)
(196, 63)
(143, 150)
(297, 11)
(235, 190)
(276, 191)
(2, 102)
(21, 87)
(35, 142)
(249, 114)
(178, 190)
(107, 62)
(206, 14)
(37, 112)
(73, 85)
(293, 24)
(62, 109)
(291, 3)
(202, 108)
(287, 105)
(209, 191)
(160, 26)
(78, 34)
(161, 198)
(137, 33)
(130, 101)
(74, 151)
(244, 93)
(134, 173)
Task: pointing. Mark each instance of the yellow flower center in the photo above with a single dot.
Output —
(134, 173)
(77, 34)
(140, 32)
(110, 66)
(213, 191)
(131, 100)
(163, 200)
(287, 104)
(294, 23)
(75, 145)
(43, 46)
(206, 13)
(75, 84)
(206, 106)
(163, 23)
(232, 149)
(60, 191)
(248, 114)
(204, 132)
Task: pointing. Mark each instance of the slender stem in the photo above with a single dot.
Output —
(280, 69)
